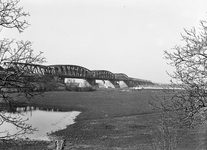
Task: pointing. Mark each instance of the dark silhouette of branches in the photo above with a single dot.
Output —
(190, 71)
(18, 122)
(11, 15)
(17, 79)
(185, 104)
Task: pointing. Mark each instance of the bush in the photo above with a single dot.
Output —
(79, 89)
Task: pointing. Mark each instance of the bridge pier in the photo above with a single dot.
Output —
(143, 83)
(129, 83)
(136, 83)
(108, 84)
(115, 83)
(92, 82)
(59, 79)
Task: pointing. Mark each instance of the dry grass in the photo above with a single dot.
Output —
(110, 119)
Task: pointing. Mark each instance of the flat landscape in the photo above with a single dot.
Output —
(112, 120)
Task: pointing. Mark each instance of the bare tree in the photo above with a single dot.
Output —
(184, 105)
(190, 63)
(17, 59)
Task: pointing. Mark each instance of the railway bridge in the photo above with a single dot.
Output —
(60, 72)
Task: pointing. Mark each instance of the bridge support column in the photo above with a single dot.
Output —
(136, 83)
(92, 82)
(129, 83)
(55, 78)
(59, 79)
(115, 83)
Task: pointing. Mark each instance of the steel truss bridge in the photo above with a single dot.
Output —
(60, 72)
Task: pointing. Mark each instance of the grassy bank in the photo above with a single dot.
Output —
(110, 119)
(100, 104)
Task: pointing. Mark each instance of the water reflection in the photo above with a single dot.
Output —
(46, 120)
(32, 108)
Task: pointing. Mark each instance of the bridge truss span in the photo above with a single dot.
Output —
(121, 76)
(70, 71)
(26, 68)
(103, 75)
(60, 72)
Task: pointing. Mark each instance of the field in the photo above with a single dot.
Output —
(113, 120)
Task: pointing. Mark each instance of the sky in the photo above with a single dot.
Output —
(121, 36)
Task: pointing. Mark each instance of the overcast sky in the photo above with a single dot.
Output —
(122, 36)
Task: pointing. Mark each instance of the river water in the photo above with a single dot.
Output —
(43, 119)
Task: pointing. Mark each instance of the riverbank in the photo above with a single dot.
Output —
(110, 119)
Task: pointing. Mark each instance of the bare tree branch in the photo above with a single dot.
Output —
(17, 76)
(182, 109)
(11, 15)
